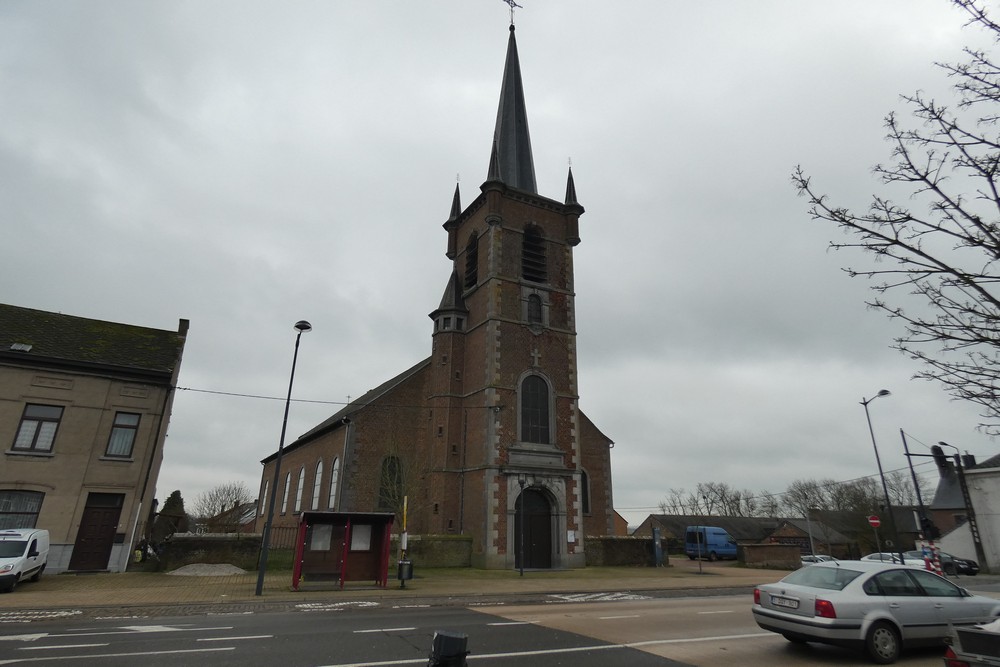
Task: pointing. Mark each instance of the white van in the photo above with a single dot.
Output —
(23, 554)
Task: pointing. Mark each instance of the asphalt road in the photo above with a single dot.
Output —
(333, 635)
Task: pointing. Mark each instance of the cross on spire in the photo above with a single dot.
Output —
(512, 6)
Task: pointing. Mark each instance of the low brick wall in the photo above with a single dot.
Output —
(611, 550)
(435, 550)
(239, 549)
(772, 556)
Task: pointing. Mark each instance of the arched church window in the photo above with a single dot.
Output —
(534, 309)
(299, 488)
(390, 494)
(535, 410)
(334, 480)
(585, 492)
(533, 265)
(472, 262)
(284, 498)
(317, 483)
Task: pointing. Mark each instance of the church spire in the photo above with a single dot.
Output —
(511, 143)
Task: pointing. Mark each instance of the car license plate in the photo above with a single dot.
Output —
(784, 602)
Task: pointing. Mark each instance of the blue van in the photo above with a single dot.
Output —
(709, 542)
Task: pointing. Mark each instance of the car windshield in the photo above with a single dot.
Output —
(12, 548)
(830, 578)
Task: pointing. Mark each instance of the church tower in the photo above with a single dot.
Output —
(506, 448)
(483, 439)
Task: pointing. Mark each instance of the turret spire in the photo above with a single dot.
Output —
(511, 141)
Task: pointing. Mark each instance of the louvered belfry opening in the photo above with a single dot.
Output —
(472, 262)
(533, 266)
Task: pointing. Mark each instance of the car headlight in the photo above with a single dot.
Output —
(6, 568)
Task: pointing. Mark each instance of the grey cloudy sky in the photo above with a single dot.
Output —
(248, 164)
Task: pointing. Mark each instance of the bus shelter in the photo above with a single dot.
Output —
(342, 546)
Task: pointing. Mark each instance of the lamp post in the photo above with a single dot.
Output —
(881, 474)
(301, 326)
(521, 479)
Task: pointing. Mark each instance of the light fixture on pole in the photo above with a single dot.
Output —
(881, 474)
(301, 326)
(521, 479)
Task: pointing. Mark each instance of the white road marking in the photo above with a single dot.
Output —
(514, 623)
(361, 632)
(727, 611)
(61, 646)
(599, 597)
(90, 658)
(611, 618)
(226, 639)
(24, 638)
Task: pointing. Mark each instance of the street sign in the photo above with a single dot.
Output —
(874, 521)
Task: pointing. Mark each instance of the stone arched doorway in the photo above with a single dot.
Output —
(537, 530)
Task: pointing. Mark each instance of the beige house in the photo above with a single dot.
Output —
(84, 408)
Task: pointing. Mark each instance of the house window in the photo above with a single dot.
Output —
(585, 492)
(299, 488)
(317, 483)
(263, 499)
(533, 266)
(123, 434)
(19, 509)
(334, 475)
(391, 484)
(534, 410)
(284, 497)
(38, 427)
(534, 309)
(472, 262)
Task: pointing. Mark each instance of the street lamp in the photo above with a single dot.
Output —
(521, 479)
(881, 474)
(301, 326)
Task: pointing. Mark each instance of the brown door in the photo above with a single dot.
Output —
(537, 530)
(96, 536)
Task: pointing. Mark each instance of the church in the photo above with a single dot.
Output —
(485, 437)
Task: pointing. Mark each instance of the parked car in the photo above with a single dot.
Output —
(809, 559)
(23, 554)
(949, 564)
(878, 607)
(884, 557)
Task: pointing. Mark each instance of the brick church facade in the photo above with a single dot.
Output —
(491, 419)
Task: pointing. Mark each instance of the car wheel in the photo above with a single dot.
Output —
(712, 556)
(38, 575)
(9, 586)
(690, 557)
(882, 643)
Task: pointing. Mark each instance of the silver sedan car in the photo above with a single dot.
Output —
(869, 605)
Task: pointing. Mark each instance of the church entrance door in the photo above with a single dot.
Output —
(537, 530)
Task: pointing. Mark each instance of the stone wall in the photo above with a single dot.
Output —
(183, 549)
(435, 550)
(772, 556)
(611, 550)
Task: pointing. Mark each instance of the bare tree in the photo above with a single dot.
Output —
(946, 248)
(221, 500)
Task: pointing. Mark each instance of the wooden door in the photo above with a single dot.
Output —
(537, 530)
(96, 536)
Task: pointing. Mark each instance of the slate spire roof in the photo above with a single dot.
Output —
(510, 159)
